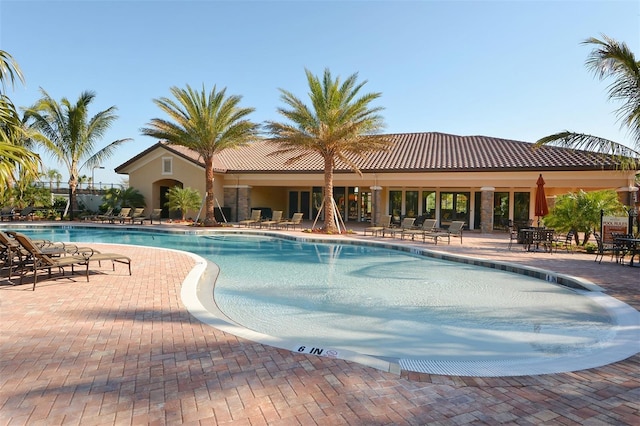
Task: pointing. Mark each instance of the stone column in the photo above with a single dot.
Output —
(486, 209)
(238, 199)
(376, 205)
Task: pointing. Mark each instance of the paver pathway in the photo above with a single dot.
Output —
(123, 350)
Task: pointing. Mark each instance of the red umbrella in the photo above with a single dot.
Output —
(541, 200)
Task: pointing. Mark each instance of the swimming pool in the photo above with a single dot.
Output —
(424, 314)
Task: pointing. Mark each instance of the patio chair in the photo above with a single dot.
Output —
(513, 235)
(295, 221)
(620, 248)
(602, 247)
(565, 241)
(276, 218)
(39, 259)
(253, 220)
(385, 222)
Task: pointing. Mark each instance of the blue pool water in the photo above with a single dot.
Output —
(381, 302)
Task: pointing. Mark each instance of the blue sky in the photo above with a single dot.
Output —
(510, 69)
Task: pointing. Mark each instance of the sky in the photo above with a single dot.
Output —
(508, 69)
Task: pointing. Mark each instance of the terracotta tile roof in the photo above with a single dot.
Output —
(413, 152)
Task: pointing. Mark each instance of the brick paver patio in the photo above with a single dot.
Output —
(123, 350)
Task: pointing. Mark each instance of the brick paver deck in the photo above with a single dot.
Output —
(123, 350)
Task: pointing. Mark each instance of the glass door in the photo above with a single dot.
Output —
(454, 206)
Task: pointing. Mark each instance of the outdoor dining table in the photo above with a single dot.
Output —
(633, 244)
(533, 238)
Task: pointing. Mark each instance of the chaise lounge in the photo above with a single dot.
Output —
(39, 259)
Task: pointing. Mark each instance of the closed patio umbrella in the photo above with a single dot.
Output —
(541, 200)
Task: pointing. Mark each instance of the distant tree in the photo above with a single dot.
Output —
(610, 58)
(53, 176)
(580, 211)
(71, 136)
(337, 125)
(83, 179)
(123, 197)
(183, 199)
(207, 123)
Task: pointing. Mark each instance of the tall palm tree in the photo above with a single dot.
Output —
(339, 124)
(610, 58)
(207, 123)
(12, 130)
(71, 136)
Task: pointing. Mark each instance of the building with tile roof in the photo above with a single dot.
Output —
(484, 181)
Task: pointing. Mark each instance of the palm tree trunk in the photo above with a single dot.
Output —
(73, 200)
(329, 220)
(210, 219)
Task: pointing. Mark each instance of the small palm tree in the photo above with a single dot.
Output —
(70, 135)
(183, 199)
(610, 58)
(580, 211)
(337, 125)
(205, 123)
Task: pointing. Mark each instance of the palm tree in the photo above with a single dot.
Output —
(205, 123)
(70, 135)
(610, 58)
(12, 130)
(337, 126)
(183, 199)
(580, 211)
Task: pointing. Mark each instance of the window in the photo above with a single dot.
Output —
(411, 203)
(167, 166)
(500, 210)
(395, 205)
(429, 204)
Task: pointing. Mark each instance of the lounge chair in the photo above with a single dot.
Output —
(7, 213)
(25, 214)
(407, 223)
(15, 256)
(455, 229)
(39, 259)
(137, 215)
(296, 220)
(120, 217)
(106, 216)
(156, 214)
(385, 222)
(253, 220)
(275, 220)
(428, 225)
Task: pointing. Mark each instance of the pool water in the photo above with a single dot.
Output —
(382, 302)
